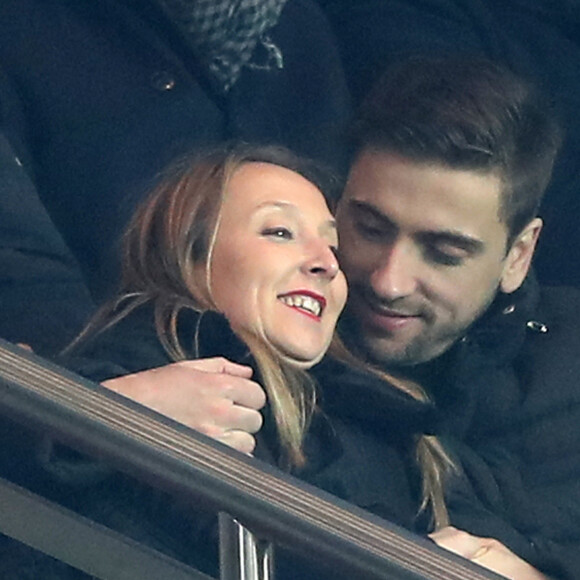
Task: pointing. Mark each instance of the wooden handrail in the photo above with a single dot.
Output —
(167, 454)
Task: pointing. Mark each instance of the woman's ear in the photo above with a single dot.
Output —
(519, 257)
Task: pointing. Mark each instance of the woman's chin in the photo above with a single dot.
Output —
(301, 357)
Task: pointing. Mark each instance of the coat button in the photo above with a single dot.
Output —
(162, 80)
(537, 326)
(509, 309)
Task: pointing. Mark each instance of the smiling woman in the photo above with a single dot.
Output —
(244, 232)
(234, 256)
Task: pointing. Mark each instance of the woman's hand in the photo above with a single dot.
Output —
(213, 396)
(487, 552)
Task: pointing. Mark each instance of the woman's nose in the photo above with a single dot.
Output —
(322, 261)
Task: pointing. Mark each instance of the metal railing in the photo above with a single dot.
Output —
(153, 448)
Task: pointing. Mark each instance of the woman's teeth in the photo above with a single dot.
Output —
(303, 302)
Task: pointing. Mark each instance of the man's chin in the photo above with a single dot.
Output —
(383, 352)
(387, 353)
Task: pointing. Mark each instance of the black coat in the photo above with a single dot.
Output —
(362, 453)
(107, 93)
(508, 398)
(506, 405)
(343, 441)
(43, 296)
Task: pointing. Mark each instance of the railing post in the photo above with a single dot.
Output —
(243, 556)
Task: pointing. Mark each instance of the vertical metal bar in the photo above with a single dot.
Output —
(243, 556)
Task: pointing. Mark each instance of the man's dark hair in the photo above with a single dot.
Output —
(467, 114)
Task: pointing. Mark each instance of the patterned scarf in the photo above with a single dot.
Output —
(229, 34)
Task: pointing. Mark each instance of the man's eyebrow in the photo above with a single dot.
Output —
(451, 237)
(363, 207)
(456, 239)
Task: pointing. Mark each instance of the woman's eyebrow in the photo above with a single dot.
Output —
(327, 228)
(277, 204)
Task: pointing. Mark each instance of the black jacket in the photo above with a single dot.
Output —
(109, 93)
(43, 296)
(506, 405)
(508, 399)
(338, 432)
(362, 453)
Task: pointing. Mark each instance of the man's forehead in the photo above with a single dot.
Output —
(424, 196)
(375, 174)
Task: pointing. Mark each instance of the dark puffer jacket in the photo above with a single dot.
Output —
(508, 395)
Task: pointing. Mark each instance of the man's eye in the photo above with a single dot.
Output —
(280, 232)
(369, 231)
(438, 256)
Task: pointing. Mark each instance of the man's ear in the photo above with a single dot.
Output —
(519, 257)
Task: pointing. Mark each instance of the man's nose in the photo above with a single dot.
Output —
(321, 261)
(395, 274)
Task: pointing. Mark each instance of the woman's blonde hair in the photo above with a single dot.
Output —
(166, 259)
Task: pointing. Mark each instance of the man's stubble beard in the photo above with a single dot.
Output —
(423, 348)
